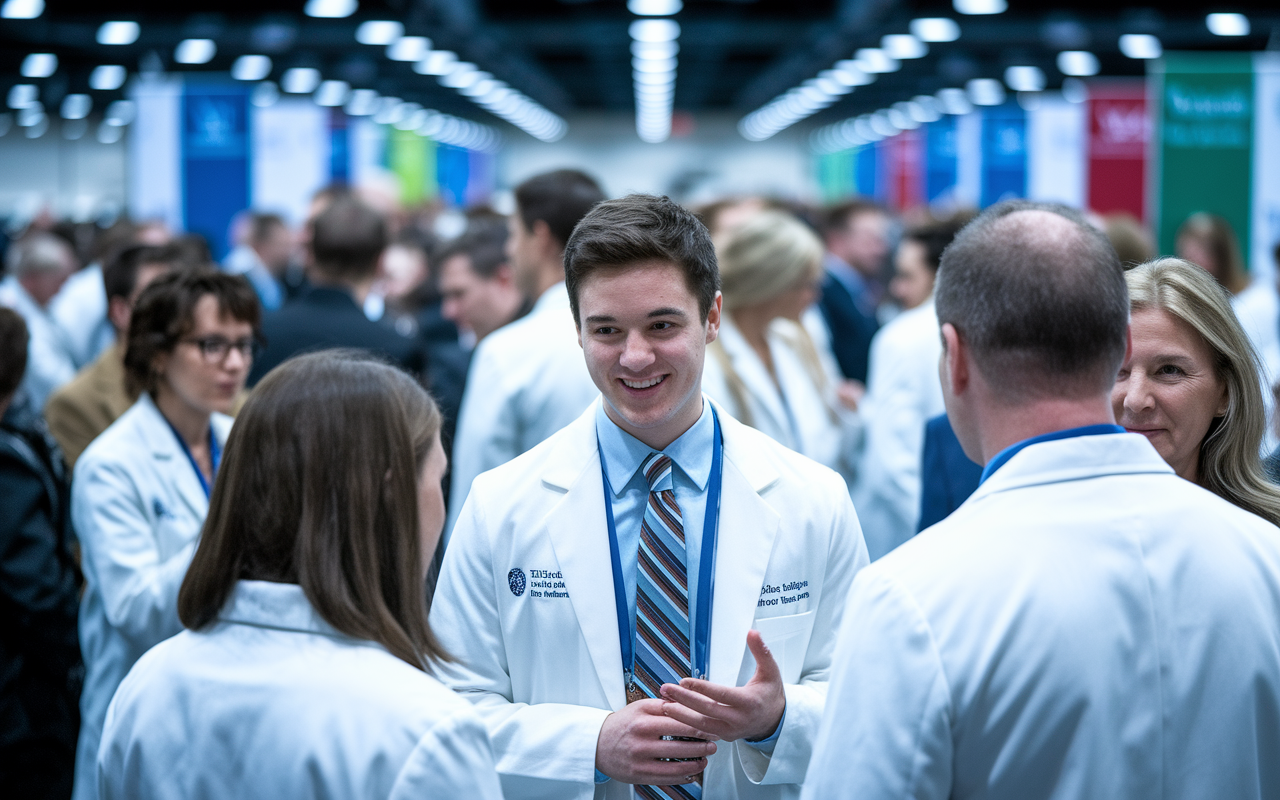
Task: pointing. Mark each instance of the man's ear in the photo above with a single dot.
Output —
(118, 313)
(713, 318)
(541, 232)
(956, 363)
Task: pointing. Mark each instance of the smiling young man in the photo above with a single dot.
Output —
(654, 574)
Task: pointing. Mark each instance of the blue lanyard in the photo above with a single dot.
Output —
(215, 455)
(1012, 450)
(706, 568)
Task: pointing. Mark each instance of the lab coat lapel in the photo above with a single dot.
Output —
(748, 527)
(754, 376)
(577, 531)
(170, 461)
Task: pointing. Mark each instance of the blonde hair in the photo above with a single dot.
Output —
(761, 258)
(764, 257)
(1230, 465)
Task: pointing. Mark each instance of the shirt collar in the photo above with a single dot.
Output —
(1012, 450)
(282, 606)
(623, 453)
(554, 298)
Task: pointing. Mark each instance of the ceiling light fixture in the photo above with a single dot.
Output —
(408, 48)
(379, 31)
(654, 8)
(1227, 24)
(300, 80)
(980, 6)
(118, 33)
(22, 9)
(875, 60)
(935, 29)
(1025, 79)
(903, 46)
(251, 68)
(1080, 63)
(331, 93)
(330, 9)
(1140, 45)
(76, 106)
(22, 95)
(985, 92)
(195, 51)
(107, 77)
(39, 65)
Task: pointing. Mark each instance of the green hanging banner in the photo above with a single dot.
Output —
(1204, 141)
(413, 160)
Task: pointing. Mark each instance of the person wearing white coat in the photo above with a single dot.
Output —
(140, 490)
(526, 600)
(527, 380)
(764, 367)
(1087, 623)
(304, 671)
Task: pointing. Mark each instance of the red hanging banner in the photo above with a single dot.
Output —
(1119, 129)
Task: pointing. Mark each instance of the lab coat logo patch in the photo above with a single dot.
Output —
(515, 579)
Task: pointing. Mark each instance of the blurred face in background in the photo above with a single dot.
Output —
(912, 279)
(474, 302)
(1195, 250)
(208, 367)
(863, 243)
(276, 249)
(1168, 389)
(403, 270)
(522, 254)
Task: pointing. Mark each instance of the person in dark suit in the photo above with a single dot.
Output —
(856, 237)
(346, 244)
(40, 667)
(948, 477)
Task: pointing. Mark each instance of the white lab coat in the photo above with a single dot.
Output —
(80, 310)
(526, 381)
(49, 361)
(903, 393)
(270, 702)
(1258, 309)
(544, 672)
(138, 508)
(794, 411)
(1086, 625)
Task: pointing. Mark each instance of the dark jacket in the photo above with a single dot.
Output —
(852, 325)
(40, 668)
(324, 317)
(947, 476)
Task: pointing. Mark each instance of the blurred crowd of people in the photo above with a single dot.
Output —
(130, 352)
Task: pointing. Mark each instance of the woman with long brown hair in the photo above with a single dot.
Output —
(305, 669)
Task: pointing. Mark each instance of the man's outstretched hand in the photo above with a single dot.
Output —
(732, 712)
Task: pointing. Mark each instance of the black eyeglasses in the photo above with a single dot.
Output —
(214, 349)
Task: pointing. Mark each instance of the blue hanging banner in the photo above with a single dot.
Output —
(940, 161)
(1004, 154)
(215, 160)
(865, 166)
(453, 169)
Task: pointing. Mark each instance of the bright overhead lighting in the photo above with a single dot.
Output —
(935, 29)
(1080, 63)
(379, 31)
(22, 95)
(985, 92)
(463, 75)
(852, 73)
(251, 68)
(76, 106)
(121, 112)
(332, 93)
(118, 32)
(107, 77)
(195, 51)
(980, 6)
(654, 49)
(875, 60)
(1025, 79)
(924, 108)
(882, 124)
(1227, 24)
(109, 134)
(653, 65)
(408, 48)
(903, 46)
(361, 103)
(300, 80)
(39, 65)
(264, 95)
(1140, 45)
(901, 119)
(22, 9)
(384, 114)
(437, 62)
(831, 87)
(654, 8)
(955, 101)
(333, 9)
(31, 115)
(655, 30)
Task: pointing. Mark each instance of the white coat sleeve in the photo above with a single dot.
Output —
(139, 589)
(489, 426)
(453, 759)
(886, 732)
(806, 699)
(551, 741)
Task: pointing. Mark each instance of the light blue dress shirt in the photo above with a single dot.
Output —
(623, 454)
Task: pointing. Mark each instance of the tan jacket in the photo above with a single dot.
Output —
(88, 404)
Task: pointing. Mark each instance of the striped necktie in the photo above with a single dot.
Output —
(662, 601)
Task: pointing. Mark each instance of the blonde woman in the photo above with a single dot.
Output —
(1191, 386)
(765, 369)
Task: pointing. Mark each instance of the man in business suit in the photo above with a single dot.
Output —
(346, 244)
(655, 569)
(97, 396)
(856, 234)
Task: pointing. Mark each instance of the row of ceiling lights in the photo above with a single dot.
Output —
(479, 86)
(653, 65)
(830, 85)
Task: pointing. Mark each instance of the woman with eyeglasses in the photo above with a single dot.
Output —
(140, 491)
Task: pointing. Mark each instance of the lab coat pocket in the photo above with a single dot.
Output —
(788, 639)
